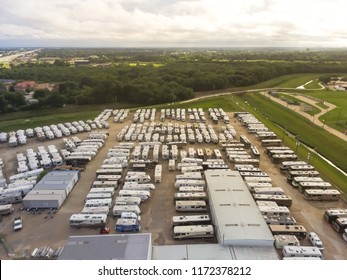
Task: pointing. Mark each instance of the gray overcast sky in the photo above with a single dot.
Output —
(176, 23)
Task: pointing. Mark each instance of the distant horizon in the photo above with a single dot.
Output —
(175, 47)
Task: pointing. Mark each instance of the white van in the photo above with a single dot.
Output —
(315, 241)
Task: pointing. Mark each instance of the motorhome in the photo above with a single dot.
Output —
(98, 195)
(6, 209)
(96, 210)
(137, 186)
(190, 196)
(302, 186)
(281, 200)
(98, 202)
(193, 231)
(127, 225)
(322, 195)
(88, 220)
(340, 224)
(298, 230)
(158, 173)
(105, 184)
(123, 200)
(331, 215)
(191, 206)
(301, 251)
(191, 220)
(282, 240)
(189, 176)
(190, 183)
(144, 195)
(119, 209)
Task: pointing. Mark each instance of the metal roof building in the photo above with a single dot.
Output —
(237, 219)
(212, 252)
(52, 190)
(59, 180)
(108, 247)
(44, 199)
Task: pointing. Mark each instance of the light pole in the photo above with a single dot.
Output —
(297, 144)
(323, 123)
(284, 132)
(308, 157)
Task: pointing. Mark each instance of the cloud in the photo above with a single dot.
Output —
(174, 22)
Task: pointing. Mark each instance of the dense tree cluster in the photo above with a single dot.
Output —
(181, 74)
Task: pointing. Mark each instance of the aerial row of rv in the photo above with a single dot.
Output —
(172, 132)
(136, 188)
(301, 175)
(19, 137)
(32, 163)
(191, 199)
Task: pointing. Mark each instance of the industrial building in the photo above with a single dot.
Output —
(212, 252)
(237, 219)
(52, 190)
(108, 247)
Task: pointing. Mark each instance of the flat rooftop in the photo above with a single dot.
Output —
(108, 247)
(237, 219)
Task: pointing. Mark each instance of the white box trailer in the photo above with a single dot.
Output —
(115, 178)
(98, 202)
(198, 161)
(111, 166)
(98, 195)
(105, 184)
(144, 195)
(252, 185)
(96, 210)
(119, 209)
(158, 173)
(269, 191)
(172, 165)
(185, 164)
(109, 171)
(192, 169)
(137, 178)
(189, 176)
(190, 183)
(125, 200)
(102, 190)
(137, 186)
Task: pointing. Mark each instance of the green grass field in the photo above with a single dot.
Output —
(273, 115)
(336, 118)
(314, 110)
(290, 81)
(31, 119)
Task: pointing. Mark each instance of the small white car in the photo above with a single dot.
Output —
(17, 223)
(315, 241)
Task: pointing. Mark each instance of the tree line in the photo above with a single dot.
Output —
(174, 81)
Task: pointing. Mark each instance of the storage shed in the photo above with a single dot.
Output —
(52, 190)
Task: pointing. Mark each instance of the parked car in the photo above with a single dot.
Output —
(17, 223)
(105, 230)
(315, 241)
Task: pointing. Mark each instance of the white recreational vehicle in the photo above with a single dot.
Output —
(127, 200)
(88, 220)
(144, 195)
(119, 209)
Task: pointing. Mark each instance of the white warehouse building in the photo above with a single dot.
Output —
(237, 219)
(52, 190)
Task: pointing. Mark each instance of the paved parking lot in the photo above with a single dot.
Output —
(52, 229)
